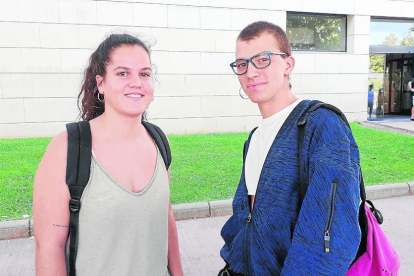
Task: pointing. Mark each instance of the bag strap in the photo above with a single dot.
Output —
(302, 163)
(161, 141)
(248, 139)
(77, 176)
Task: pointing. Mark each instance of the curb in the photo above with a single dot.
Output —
(382, 127)
(24, 228)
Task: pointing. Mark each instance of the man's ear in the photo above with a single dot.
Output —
(290, 64)
(100, 83)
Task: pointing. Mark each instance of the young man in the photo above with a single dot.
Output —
(271, 232)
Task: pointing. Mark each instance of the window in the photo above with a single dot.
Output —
(316, 32)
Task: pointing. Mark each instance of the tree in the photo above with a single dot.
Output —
(376, 63)
(408, 40)
(315, 32)
(390, 40)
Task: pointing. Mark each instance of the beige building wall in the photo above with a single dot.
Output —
(45, 45)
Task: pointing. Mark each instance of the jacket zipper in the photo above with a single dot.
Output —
(249, 220)
(327, 232)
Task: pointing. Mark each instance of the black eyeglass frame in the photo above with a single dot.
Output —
(234, 67)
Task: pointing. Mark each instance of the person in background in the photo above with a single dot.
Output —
(271, 232)
(370, 99)
(410, 86)
(126, 223)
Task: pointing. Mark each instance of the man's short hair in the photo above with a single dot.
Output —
(254, 30)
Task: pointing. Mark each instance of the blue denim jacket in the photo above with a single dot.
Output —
(279, 237)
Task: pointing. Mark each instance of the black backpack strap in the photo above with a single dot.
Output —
(362, 218)
(161, 141)
(77, 176)
(302, 164)
(248, 139)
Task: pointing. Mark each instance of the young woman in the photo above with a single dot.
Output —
(271, 231)
(126, 224)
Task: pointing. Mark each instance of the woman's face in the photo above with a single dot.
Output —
(267, 84)
(127, 86)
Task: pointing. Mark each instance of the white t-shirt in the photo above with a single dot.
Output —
(260, 144)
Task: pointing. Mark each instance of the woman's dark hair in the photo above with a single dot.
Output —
(256, 29)
(89, 105)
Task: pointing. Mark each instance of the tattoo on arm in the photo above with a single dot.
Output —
(59, 225)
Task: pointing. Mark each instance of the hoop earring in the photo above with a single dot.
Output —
(245, 97)
(99, 97)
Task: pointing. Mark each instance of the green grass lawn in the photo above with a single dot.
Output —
(205, 167)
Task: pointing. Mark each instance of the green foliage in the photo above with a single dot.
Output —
(205, 167)
(377, 84)
(307, 32)
(391, 40)
(376, 63)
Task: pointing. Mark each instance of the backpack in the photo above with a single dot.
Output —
(376, 254)
(78, 171)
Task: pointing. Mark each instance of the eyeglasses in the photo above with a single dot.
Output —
(260, 61)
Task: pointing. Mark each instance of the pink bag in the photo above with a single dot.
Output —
(380, 258)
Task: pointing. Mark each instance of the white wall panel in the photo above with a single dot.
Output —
(240, 18)
(367, 7)
(216, 63)
(170, 85)
(196, 85)
(185, 107)
(243, 107)
(39, 11)
(112, 13)
(50, 110)
(328, 63)
(354, 63)
(160, 108)
(9, 10)
(150, 15)
(216, 106)
(304, 63)
(77, 12)
(230, 124)
(226, 41)
(10, 60)
(11, 110)
(75, 60)
(227, 85)
(275, 17)
(183, 17)
(200, 125)
(14, 34)
(215, 18)
(41, 60)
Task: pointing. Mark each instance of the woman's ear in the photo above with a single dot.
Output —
(290, 64)
(100, 83)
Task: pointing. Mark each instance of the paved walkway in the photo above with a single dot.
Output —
(200, 242)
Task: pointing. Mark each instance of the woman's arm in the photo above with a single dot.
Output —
(174, 259)
(50, 209)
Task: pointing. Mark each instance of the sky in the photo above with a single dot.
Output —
(380, 30)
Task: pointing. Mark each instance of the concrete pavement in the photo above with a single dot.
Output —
(200, 242)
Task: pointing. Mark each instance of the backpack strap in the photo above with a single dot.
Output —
(302, 164)
(248, 139)
(161, 141)
(77, 176)
(304, 183)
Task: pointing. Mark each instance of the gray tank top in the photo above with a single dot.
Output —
(121, 232)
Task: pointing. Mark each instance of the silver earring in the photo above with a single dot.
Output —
(99, 97)
(245, 97)
(290, 83)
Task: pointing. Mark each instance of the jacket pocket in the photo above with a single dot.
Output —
(331, 211)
